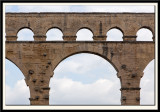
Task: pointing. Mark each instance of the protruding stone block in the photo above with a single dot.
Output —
(69, 38)
(129, 38)
(99, 38)
(46, 88)
(138, 99)
(123, 66)
(123, 98)
(42, 80)
(39, 38)
(49, 62)
(37, 97)
(30, 71)
(34, 80)
(36, 88)
(133, 75)
(46, 97)
(11, 38)
(44, 54)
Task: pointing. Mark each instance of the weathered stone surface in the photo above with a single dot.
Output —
(38, 59)
(71, 23)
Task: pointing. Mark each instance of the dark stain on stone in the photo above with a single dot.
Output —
(105, 51)
(112, 54)
(123, 67)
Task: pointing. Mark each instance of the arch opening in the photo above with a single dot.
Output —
(54, 34)
(147, 85)
(85, 79)
(144, 34)
(17, 92)
(115, 34)
(25, 34)
(84, 34)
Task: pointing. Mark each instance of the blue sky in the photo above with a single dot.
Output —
(82, 78)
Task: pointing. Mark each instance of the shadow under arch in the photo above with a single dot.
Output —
(146, 27)
(89, 52)
(24, 28)
(116, 27)
(85, 28)
(53, 28)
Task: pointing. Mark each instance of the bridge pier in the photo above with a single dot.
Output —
(130, 90)
(38, 79)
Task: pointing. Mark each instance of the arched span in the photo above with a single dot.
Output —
(15, 64)
(55, 28)
(148, 63)
(147, 85)
(24, 28)
(85, 28)
(89, 52)
(147, 27)
(116, 27)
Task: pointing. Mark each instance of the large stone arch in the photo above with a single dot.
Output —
(16, 63)
(62, 64)
(89, 52)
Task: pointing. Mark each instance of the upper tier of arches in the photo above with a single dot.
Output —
(71, 23)
(85, 34)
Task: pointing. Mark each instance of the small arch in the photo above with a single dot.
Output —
(55, 28)
(115, 34)
(144, 34)
(24, 28)
(17, 92)
(147, 85)
(146, 27)
(84, 34)
(25, 34)
(54, 33)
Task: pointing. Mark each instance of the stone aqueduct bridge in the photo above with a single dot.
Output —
(38, 59)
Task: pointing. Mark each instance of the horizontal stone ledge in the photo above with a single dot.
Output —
(11, 36)
(129, 36)
(100, 36)
(130, 88)
(69, 36)
(39, 36)
(135, 42)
